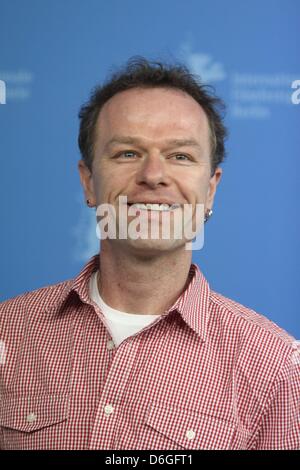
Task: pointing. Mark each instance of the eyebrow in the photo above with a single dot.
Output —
(168, 143)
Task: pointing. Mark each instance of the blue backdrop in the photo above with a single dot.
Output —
(54, 51)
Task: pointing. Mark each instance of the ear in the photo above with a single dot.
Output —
(87, 182)
(212, 188)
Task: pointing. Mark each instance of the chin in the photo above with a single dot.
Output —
(154, 247)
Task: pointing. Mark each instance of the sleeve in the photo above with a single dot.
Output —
(280, 424)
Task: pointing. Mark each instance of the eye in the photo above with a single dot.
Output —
(127, 155)
(181, 157)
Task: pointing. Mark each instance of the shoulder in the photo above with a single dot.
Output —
(254, 336)
(35, 301)
(245, 317)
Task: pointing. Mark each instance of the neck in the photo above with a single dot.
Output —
(142, 284)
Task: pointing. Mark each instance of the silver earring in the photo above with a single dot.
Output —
(208, 214)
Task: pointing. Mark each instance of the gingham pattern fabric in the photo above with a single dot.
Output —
(208, 374)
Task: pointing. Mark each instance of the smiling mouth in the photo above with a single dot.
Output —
(154, 207)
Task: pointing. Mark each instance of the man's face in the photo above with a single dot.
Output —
(153, 146)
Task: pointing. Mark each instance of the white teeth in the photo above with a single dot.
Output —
(165, 207)
(139, 206)
(155, 207)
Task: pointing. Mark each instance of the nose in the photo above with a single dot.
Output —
(153, 171)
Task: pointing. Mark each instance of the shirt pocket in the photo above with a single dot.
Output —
(184, 429)
(30, 422)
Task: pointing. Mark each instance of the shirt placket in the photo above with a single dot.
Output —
(109, 412)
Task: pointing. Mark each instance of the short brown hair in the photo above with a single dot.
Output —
(139, 72)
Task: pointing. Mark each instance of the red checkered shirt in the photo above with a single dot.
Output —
(207, 374)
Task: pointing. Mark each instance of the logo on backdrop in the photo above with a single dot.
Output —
(252, 95)
(203, 64)
(15, 85)
(2, 92)
(296, 94)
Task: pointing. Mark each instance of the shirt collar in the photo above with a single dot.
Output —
(79, 285)
(192, 304)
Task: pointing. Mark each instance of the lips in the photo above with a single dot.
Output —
(156, 201)
(156, 206)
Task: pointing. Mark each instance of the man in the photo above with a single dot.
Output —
(137, 352)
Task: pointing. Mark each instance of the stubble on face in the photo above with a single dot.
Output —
(144, 122)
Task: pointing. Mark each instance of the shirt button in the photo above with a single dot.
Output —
(108, 409)
(190, 434)
(31, 418)
(110, 345)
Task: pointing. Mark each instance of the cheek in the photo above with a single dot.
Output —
(100, 186)
(196, 189)
(107, 186)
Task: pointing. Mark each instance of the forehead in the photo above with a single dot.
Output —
(152, 113)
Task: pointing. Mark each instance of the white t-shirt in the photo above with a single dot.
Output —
(120, 324)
